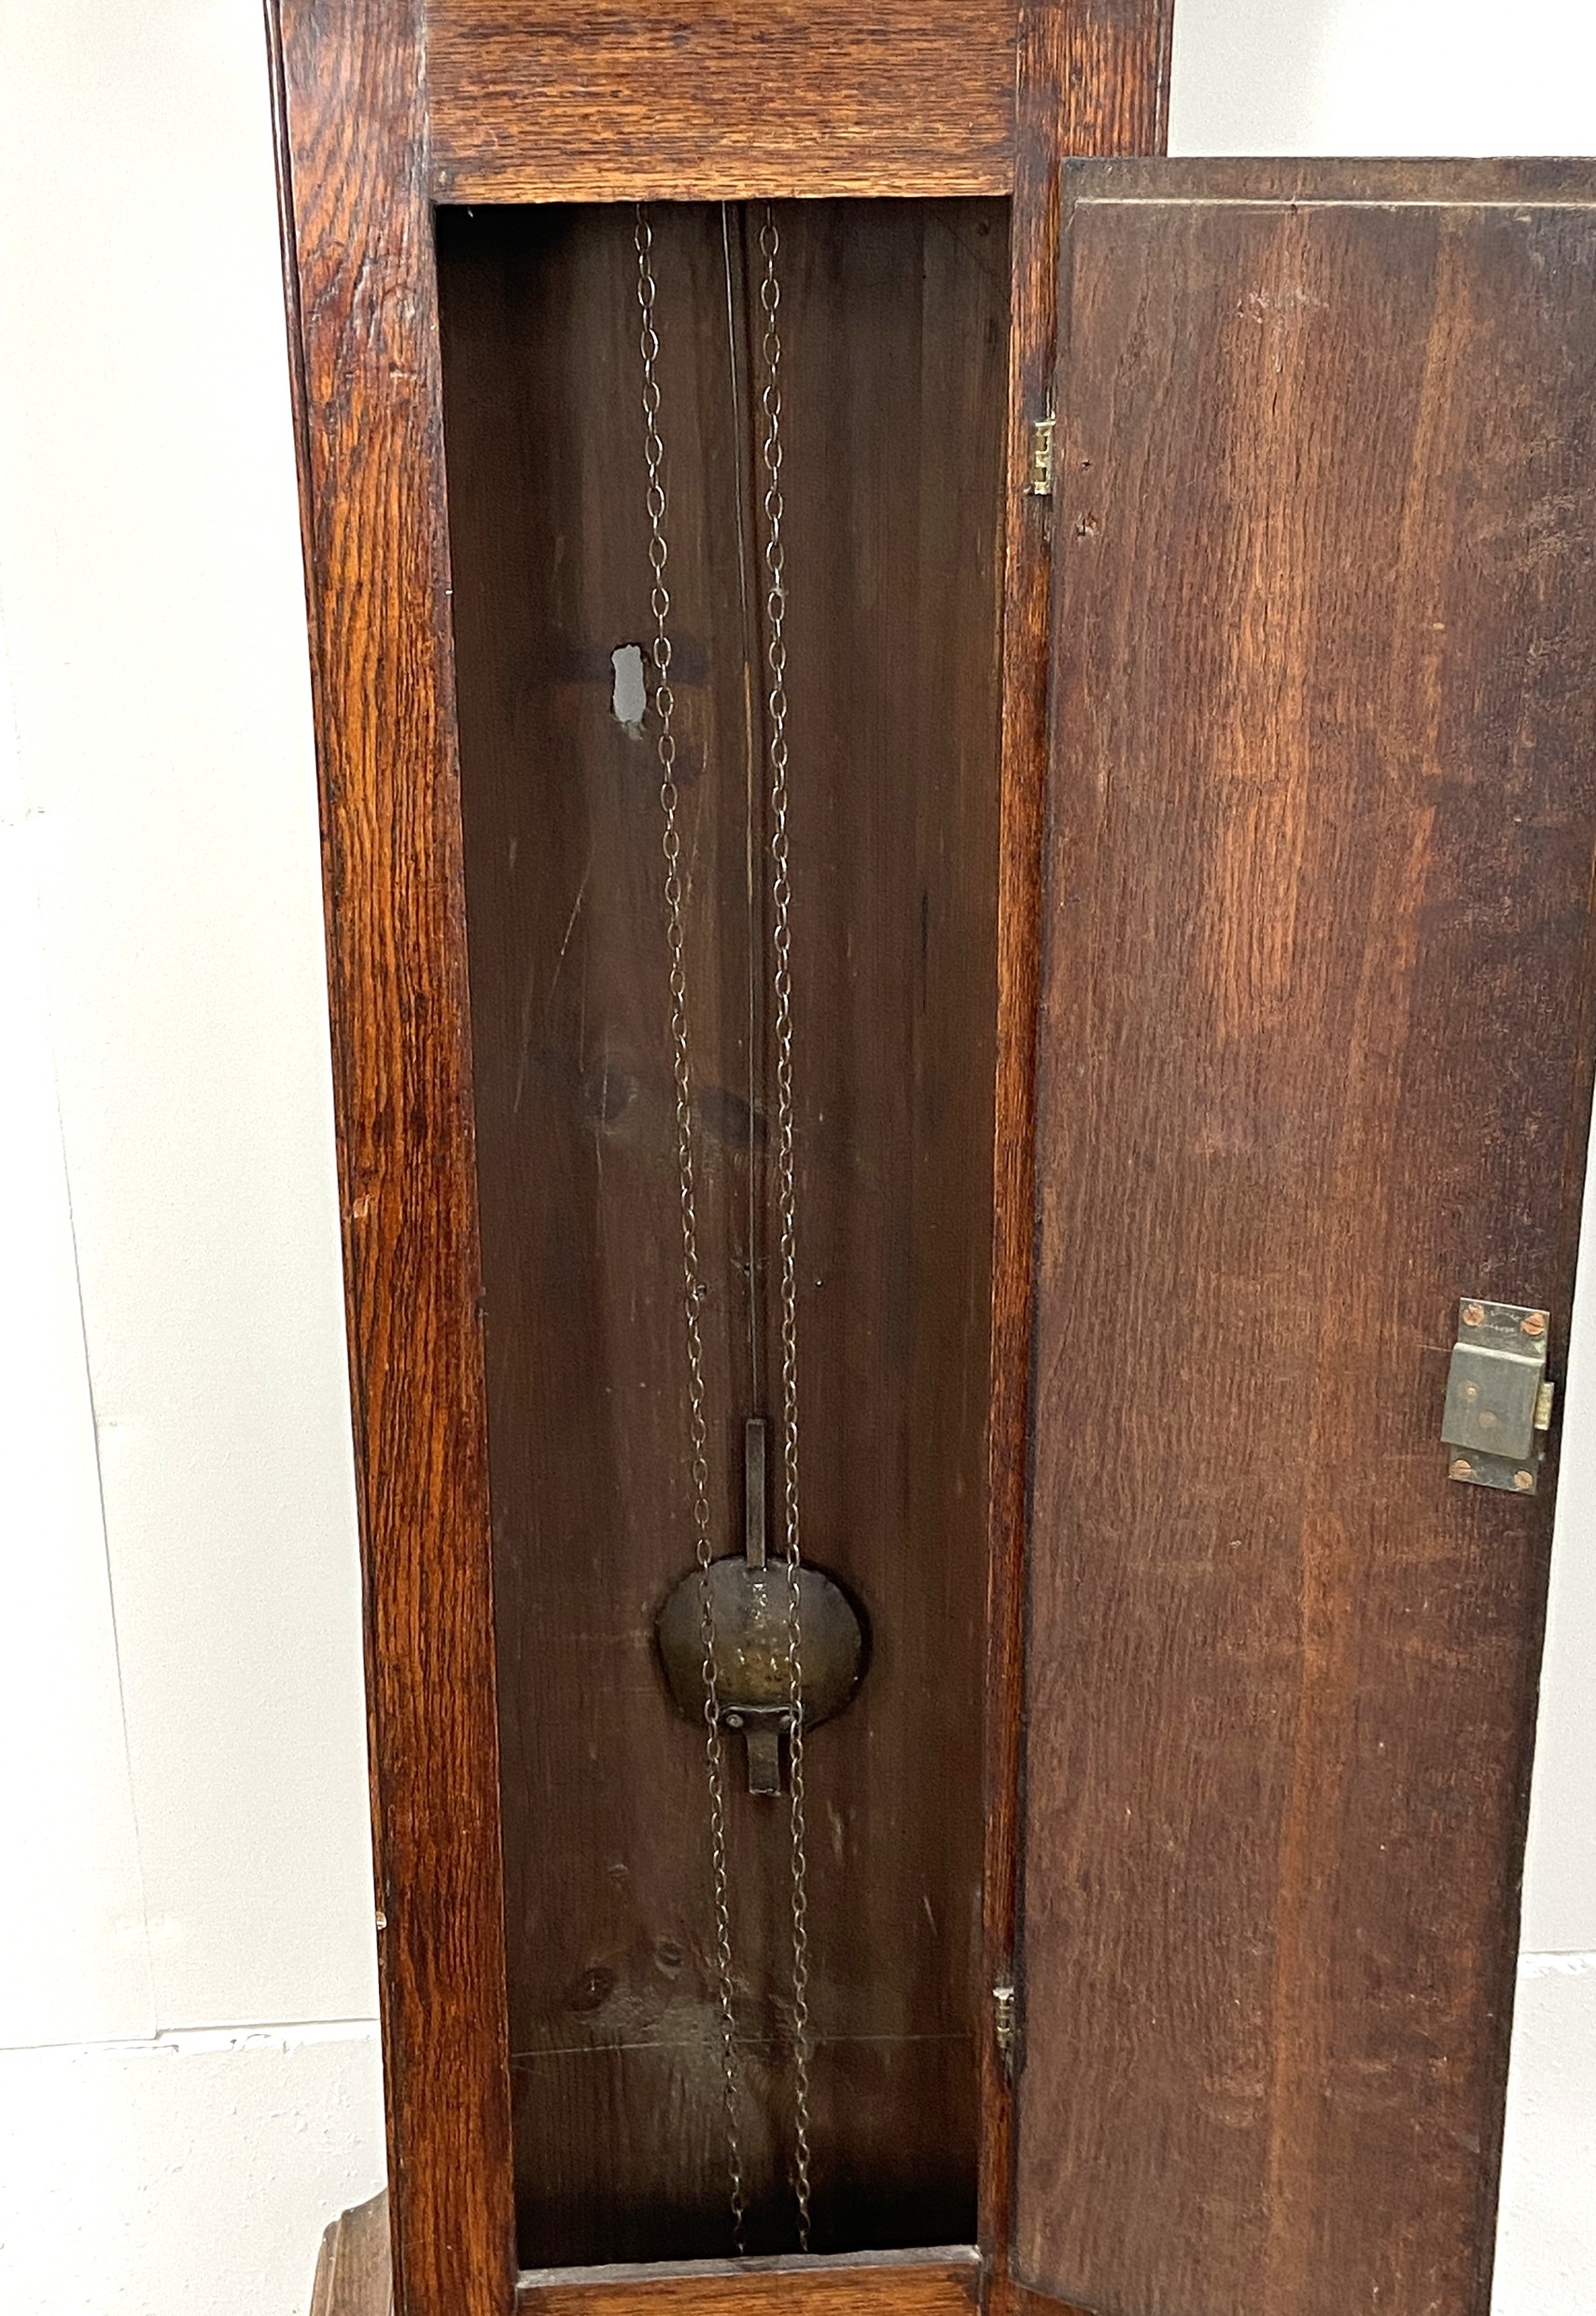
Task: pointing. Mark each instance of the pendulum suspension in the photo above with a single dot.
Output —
(765, 1652)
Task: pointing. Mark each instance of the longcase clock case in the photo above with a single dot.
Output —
(1192, 699)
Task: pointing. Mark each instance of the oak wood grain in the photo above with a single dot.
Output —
(1315, 1060)
(1091, 79)
(692, 100)
(930, 2283)
(355, 2274)
(360, 262)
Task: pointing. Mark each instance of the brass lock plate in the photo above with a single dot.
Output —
(1498, 1398)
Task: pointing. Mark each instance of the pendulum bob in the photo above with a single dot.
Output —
(750, 1607)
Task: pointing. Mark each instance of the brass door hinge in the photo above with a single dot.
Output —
(1041, 482)
(1005, 2027)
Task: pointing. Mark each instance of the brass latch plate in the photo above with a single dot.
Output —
(1498, 1400)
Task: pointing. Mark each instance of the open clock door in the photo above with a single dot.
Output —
(1314, 1077)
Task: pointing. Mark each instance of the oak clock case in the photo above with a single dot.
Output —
(1190, 707)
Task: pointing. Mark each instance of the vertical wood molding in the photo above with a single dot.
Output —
(362, 298)
(1091, 79)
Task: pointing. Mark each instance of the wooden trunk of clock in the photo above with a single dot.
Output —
(1192, 699)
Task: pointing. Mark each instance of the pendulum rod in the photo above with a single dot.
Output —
(782, 990)
(664, 708)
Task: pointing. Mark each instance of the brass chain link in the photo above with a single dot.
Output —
(786, 1192)
(664, 708)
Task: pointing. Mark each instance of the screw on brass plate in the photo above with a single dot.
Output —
(1523, 1478)
(1473, 1314)
(1462, 1468)
(1533, 1324)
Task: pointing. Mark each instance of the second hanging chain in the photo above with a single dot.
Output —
(786, 1191)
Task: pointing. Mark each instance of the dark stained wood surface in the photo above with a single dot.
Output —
(1314, 1060)
(930, 2283)
(1091, 79)
(684, 100)
(360, 272)
(894, 349)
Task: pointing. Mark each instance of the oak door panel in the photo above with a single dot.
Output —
(1314, 1063)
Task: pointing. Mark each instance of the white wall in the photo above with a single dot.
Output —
(187, 2067)
(182, 1808)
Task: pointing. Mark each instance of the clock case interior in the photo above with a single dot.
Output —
(894, 325)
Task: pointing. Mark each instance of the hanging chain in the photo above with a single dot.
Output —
(664, 708)
(787, 1203)
(781, 894)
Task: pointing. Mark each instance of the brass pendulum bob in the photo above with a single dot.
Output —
(751, 1603)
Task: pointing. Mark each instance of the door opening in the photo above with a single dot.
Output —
(893, 318)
